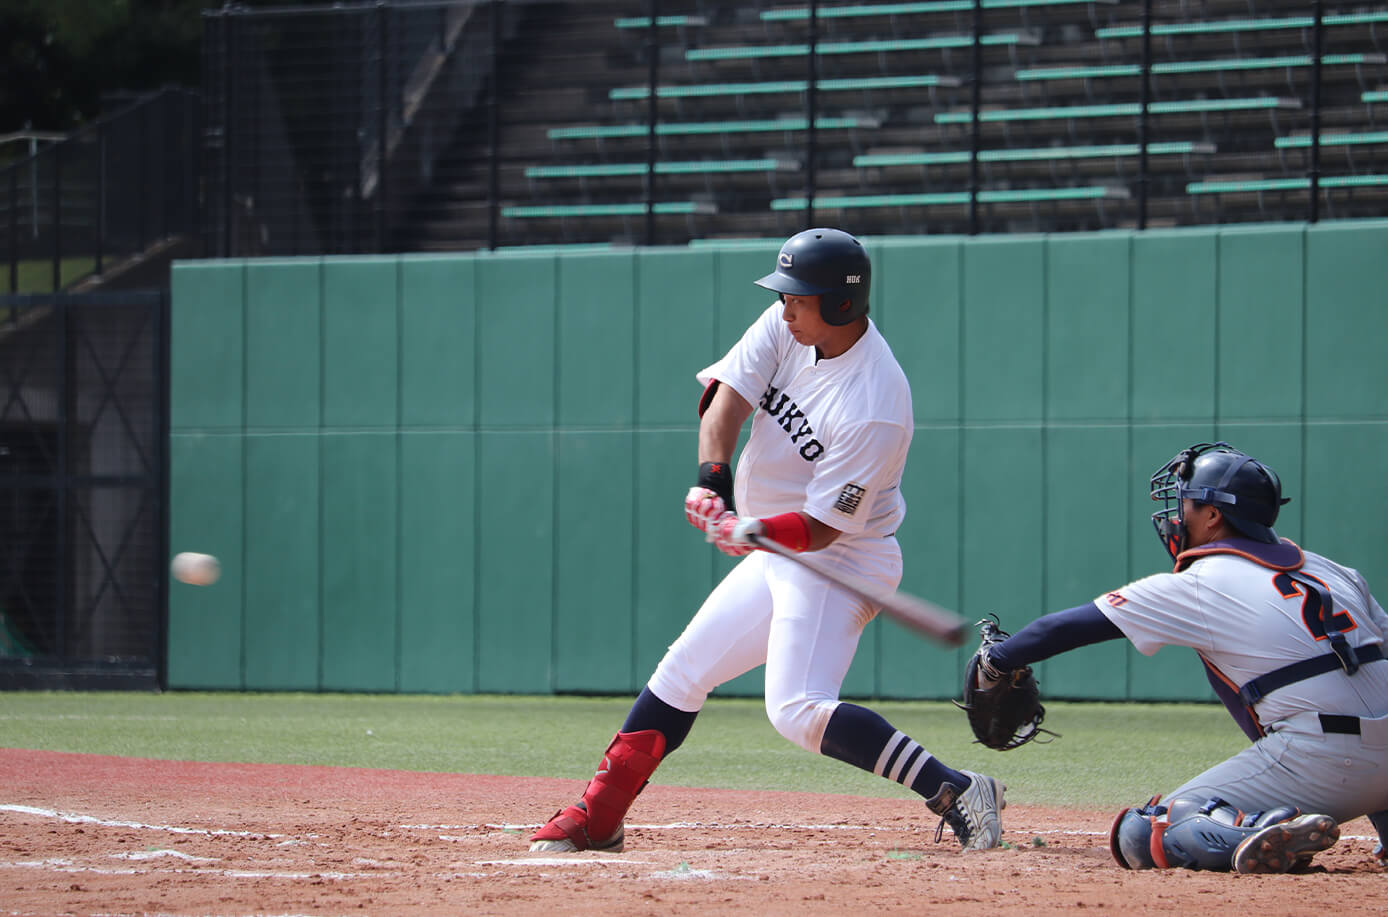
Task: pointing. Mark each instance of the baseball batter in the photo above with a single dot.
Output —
(820, 471)
(1292, 643)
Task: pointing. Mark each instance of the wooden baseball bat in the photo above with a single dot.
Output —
(926, 618)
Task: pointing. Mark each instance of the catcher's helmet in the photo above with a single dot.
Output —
(828, 263)
(1246, 491)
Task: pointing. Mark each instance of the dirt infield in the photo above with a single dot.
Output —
(89, 835)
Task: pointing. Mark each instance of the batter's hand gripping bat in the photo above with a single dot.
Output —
(926, 618)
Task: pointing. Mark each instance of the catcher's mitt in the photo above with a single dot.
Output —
(1007, 712)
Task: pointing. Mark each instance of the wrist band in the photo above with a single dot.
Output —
(789, 529)
(718, 477)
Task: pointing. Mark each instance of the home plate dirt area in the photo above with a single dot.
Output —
(94, 835)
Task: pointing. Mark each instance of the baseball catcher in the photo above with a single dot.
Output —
(1004, 708)
(1292, 643)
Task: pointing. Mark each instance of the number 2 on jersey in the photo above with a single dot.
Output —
(1311, 606)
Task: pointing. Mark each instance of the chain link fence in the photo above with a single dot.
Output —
(90, 202)
(83, 443)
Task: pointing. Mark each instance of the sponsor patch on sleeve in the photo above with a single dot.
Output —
(850, 498)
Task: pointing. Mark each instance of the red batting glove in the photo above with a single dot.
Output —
(729, 534)
(702, 507)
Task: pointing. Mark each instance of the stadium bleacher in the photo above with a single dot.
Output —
(856, 84)
(1222, 26)
(874, 46)
(672, 129)
(1285, 184)
(1198, 66)
(1304, 140)
(1117, 109)
(955, 157)
(1057, 130)
(899, 9)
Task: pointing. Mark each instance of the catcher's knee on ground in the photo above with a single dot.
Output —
(1211, 834)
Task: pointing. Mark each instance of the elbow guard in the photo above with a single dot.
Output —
(706, 398)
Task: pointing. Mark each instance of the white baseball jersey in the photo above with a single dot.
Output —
(829, 437)
(1246, 619)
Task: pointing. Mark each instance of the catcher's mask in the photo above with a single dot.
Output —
(828, 263)
(1246, 491)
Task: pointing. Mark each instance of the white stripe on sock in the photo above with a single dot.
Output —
(910, 779)
(897, 738)
(902, 758)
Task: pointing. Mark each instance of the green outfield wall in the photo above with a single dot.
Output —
(465, 473)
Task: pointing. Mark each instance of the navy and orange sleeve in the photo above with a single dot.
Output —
(1053, 634)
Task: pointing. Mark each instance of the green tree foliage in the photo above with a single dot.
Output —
(61, 61)
(59, 58)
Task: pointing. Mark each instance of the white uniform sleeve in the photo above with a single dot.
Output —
(852, 475)
(750, 364)
(1159, 610)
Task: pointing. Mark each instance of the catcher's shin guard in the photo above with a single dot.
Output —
(595, 822)
(1189, 833)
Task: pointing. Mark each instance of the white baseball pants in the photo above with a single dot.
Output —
(771, 610)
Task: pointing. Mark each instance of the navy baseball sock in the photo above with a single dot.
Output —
(650, 712)
(864, 739)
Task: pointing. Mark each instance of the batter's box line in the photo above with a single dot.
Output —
(114, 823)
(68, 866)
(752, 826)
(758, 826)
(695, 826)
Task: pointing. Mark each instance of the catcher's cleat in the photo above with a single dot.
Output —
(567, 832)
(973, 814)
(1284, 846)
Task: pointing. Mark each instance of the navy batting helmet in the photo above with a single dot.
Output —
(1247, 492)
(828, 263)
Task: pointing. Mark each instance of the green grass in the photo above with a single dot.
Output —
(37, 276)
(1110, 754)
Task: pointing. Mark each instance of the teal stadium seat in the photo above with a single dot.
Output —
(644, 22)
(1037, 154)
(1242, 25)
(1342, 139)
(606, 210)
(1198, 66)
(1284, 184)
(873, 46)
(695, 167)
(1118, 109)
(932, 199)
(1376, 95)
(906, 9)
(703, 90)
(687, 128)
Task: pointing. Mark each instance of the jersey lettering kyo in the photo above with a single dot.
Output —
(792, 421)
